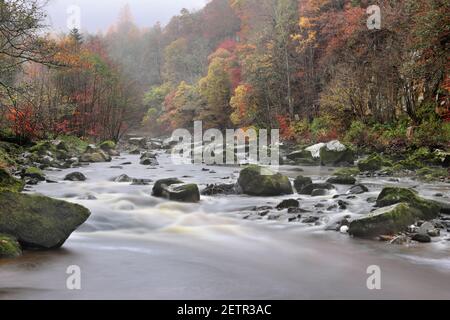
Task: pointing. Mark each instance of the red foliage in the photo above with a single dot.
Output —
(22, 122)
(286, 130)
(229, 45)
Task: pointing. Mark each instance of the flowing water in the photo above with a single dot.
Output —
(135, 246)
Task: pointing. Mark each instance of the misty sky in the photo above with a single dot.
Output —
(98, 15)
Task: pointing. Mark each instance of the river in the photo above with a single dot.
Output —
(135, 246)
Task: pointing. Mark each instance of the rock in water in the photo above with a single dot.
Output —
(75, 176)
(422, 238)
(335, 153)
(182, 193)
(428, 209)
(358, 189)
(9, 247)
(38, 222)
(308, 190)
(300, 182)
(34, 173)
(93, 155)
(288, 204)
(385, 221)
(344, 180)
(160, 185)
(215, 189)
(258, 181)
(373, 163)
(9, 183)
(123, 178)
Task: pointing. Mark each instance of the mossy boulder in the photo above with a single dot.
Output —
(73, 144)
(300, 182)
(9, 183)
(189, 193)
(39, 222)
(428, 209)
(43, 148)
(107, 145)
(162, 184)
(335, 153)
(258, 181)
(92, 154)
(373, 163)
(9, 247)
(303, 157)
(34, 173)
(343, 180)
(385, 221)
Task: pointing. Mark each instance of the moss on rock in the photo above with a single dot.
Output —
(344, 180)
(9, 183)
(373, 163)
(258, 181)
(347, 172)
(39, 222)
(390, 196)
(34, 173)
(107, 146)
(385, 221)
(335, 153)
(9, 247)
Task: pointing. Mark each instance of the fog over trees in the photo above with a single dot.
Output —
(311, 68)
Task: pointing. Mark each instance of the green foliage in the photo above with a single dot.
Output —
(431, 174)
(321, 126)
(74, 143)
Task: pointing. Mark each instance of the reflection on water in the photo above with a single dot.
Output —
(137, 246)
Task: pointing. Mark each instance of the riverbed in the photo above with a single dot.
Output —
(135, 246)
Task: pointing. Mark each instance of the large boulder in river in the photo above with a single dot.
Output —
(335, 153)
(162, 184)
(331, 153)
(94, 154)
(38, 222)
(310, 188)
(258, 181)
(300, 182)
(390, 196)
(182, 193)
(385, 221)
(304, 157)
(401, 208)
(9, 183)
